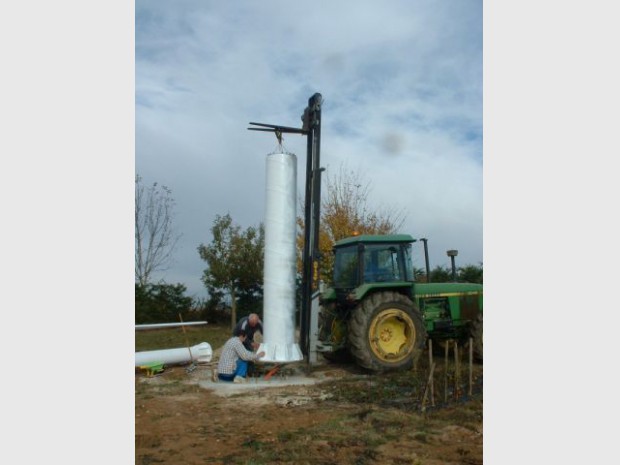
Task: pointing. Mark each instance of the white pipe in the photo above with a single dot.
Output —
(201, 353)
(169, 325)
(280, 257)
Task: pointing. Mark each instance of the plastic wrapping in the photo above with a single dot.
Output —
(280, 260)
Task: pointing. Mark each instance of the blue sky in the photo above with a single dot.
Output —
(402, 89)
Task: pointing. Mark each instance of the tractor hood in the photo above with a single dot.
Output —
(445, 289)
(420, 289)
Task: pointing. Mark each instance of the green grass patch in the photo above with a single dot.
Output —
(172, 338)
(253, 444)
(399, 389)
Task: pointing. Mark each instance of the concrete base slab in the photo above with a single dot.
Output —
(226, 389)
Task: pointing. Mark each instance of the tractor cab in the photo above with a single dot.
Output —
(369, 259)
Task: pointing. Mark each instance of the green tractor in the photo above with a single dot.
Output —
(376, 312)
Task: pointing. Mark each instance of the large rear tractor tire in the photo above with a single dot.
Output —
(386, 332)
(475, 333)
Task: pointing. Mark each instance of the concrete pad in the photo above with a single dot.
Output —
(288, 375)
(226, 389)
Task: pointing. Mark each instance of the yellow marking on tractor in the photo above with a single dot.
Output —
(448, 294)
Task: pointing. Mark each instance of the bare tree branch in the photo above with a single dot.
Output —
(155, 238)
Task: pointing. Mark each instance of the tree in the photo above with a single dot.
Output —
(419, 275)
(441, 274)
(161, 303)
(345, 210)
(235, 262)
(155, 237)
(470, 274)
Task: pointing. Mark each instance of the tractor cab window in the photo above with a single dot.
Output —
(408, 262)
(346, 267)
(382, 264)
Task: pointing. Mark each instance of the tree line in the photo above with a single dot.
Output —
(234, 258)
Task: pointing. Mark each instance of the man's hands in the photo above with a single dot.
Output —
(260, 354)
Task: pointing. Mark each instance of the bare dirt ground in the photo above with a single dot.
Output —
(328, 414)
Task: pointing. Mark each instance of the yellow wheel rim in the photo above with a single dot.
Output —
(392, 335)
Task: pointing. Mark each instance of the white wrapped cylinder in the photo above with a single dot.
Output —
(280, 256)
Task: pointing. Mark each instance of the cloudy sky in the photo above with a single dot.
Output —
(402, 91)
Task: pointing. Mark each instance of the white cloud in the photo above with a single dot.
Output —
(402, 89)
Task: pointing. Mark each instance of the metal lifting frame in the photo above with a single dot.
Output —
(311, 128)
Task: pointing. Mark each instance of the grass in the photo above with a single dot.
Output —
(360, 433)
(172, 338)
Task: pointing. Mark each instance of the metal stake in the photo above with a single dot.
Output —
(456, 371)
(471, 365)
(426, 388)
(430, 363)
(445, 385)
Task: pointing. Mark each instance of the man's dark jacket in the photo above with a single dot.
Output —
(245, 324)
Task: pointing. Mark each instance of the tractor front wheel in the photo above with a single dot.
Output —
(386, 332)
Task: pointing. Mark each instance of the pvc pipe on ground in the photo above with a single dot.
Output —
(169, 325)
(201, 353)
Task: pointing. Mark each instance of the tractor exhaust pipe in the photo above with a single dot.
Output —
(428, 267)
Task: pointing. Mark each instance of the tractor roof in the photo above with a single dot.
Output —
(375, 239)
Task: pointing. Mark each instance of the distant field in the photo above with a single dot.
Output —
(170, 338)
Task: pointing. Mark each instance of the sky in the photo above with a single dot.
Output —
(402, 107)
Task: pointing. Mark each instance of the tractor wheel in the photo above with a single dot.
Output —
(386, 332)
(333, 329)
(475, 333)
